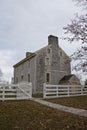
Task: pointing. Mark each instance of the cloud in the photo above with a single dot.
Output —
(25, 21)
(26, 24)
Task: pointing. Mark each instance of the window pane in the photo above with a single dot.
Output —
(47, 61)
(28, 77)
(22, 77)
(49, 51)
(16, 79)
(47, 77)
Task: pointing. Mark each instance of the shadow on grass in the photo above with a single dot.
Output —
(29, 115)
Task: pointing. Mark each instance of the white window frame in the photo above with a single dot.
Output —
(47, 61)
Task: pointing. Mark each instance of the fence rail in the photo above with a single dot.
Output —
(53, 91)
(15, 91)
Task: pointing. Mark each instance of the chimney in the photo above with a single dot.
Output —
(28, 54)
(52, 40)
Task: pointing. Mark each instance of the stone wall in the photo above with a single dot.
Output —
(40, 69)
(22, 71)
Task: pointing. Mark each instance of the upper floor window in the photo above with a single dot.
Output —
(22, 66)
(29, 64)
(48, 50)
(47, 61)
(60, 53)
(16, 79)
(22, 77)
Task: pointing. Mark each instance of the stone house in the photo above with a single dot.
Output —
(47, 65)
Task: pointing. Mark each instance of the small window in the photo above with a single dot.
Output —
(22, 66)
(29, 64)
(47, 77)
(16, 79)
(28, 77)
(48, 51)
(22, 78)
(61, 53)
(47, 61)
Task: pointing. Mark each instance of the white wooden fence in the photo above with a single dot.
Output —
(54, 91)
(19, 91)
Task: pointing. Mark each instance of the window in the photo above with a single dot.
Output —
(22, 66)
(60, 53)
(47, 77)
(28, 77)
(22, 78)
(47, 61)
(29, 64)
(16, 79)
(48, 51)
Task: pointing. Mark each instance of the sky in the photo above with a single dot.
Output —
(25, 26)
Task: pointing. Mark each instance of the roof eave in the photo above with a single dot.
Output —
(24, 60)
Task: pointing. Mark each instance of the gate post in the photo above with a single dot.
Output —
(68, 90)
(44, 90)
(30, 90)
(3, 96)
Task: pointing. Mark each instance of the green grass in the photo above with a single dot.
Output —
(29, 115)
(77, 102)
(37, 95)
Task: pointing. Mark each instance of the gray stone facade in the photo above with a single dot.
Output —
(47, 65)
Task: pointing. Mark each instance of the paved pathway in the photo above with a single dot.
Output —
(80, 112)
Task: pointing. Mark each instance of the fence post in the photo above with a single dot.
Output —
(44, 90)
(57, 89)
(18, 91)
(81, 90)
(68, 91)
(30, 90)
(3, 96)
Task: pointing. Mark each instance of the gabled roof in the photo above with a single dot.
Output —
(66, 77)
(28, 57)
(31, 55)
(25, 59)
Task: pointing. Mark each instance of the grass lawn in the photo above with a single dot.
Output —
(29, 115)
(37, 95)
(77, 102)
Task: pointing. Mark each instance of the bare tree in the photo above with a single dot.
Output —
(77, 31)
(86, 82)
(81, 3)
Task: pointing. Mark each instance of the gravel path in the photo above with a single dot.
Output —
(76, 111)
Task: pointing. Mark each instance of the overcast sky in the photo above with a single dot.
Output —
(25, 26)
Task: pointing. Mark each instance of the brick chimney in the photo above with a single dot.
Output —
(52, 40)
(28, 54)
